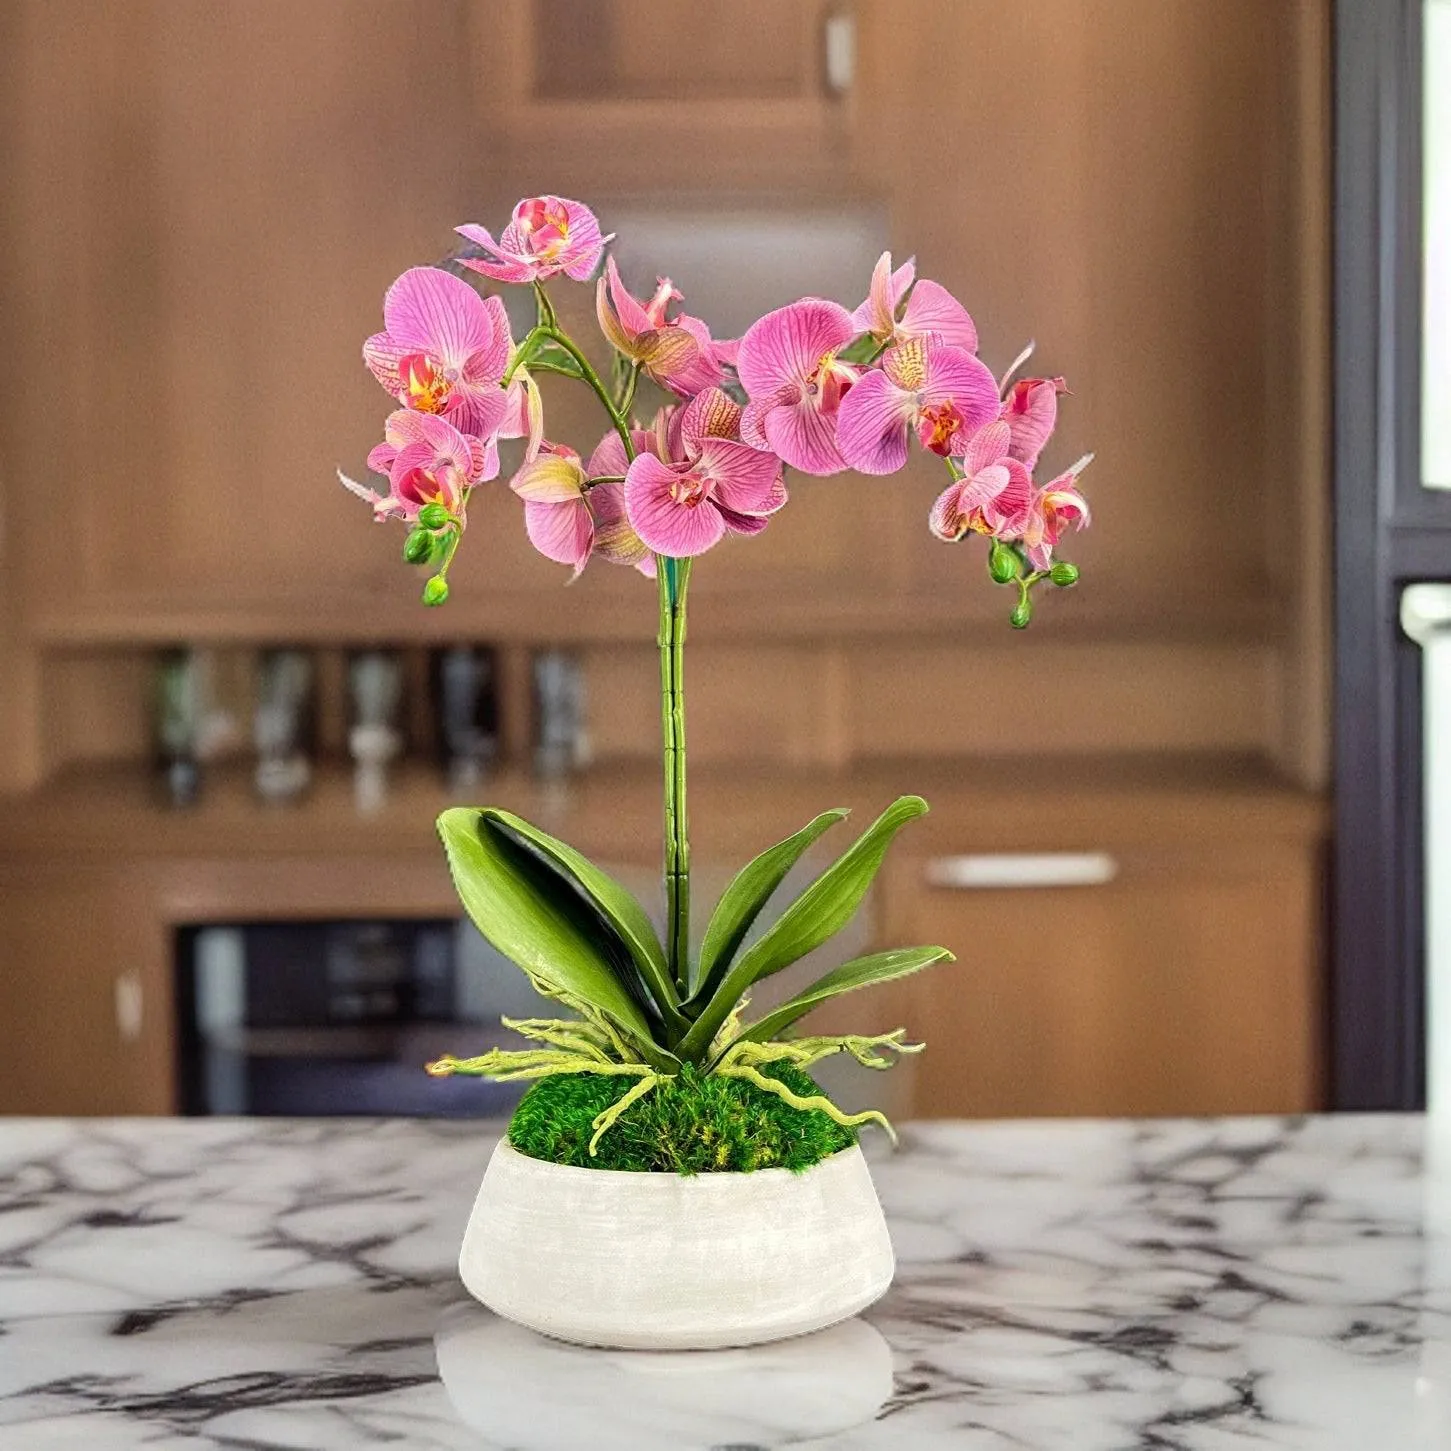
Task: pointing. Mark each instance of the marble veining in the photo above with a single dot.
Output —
(1099, 1286)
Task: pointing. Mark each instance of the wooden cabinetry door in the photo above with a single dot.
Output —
(640, 94)
(1186, 984)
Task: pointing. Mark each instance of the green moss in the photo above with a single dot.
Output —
(689, 1124)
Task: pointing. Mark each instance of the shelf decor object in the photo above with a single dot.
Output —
(676, 1178)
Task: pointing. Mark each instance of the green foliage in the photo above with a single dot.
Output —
(741, 902)
(822, 910)
(543, 926)
(693, 1123)
(860, 972)
(623, 914)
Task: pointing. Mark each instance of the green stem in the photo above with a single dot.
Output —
(587, 372)
(674, 577)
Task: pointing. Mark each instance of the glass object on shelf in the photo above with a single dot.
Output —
(465, 699)
(1436, 303)
(177, 725)
(561, 744)
(283, 724)
(375, 688)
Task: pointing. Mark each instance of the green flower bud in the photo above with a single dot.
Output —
(1002, 563)
(433, 516)
(418, 546)
(1063, 574)
(435, 591)
(1022, 615)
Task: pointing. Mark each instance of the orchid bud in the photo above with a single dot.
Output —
(1002, 563)
(1022, 615)
(433, 516)
(418, 546)
(1063, 574)
(435, 591)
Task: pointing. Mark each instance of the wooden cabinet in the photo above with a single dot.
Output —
(1187, 982)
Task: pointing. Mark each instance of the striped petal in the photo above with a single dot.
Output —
(873, 424)
(668, 526)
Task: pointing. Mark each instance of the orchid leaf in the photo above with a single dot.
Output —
(539, 922)
(860, 972)
(822, 910)
(617, 906)
(748, 893)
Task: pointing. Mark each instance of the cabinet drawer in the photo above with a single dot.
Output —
(1137, 982)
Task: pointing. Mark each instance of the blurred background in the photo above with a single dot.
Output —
(226, 723)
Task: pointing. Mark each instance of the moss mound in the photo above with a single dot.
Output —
(690, 1124)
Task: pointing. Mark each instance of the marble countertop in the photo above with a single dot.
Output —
(1099, 1286)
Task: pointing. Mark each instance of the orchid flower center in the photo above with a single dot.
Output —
(828, 383)
(690, 490)
(545, 225)
(906, 365)
(939, 425)
(426, 384)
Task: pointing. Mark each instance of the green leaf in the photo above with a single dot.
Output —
(748, 893)
(538, 921)
(824, 908)
(860, 972)
(611, 900)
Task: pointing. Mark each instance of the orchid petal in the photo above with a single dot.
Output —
(1031, 411)
(933, 310)
(804, 437)
(746, 481)
(746, 524)
(549, 479)
(955, 376)
(986, 446)
(712, 413)
(948, 518)
(431, 311)
(562, 532)
(676, 530)
(615, 537)
(787, 345)
(873, 425)
(382, 356)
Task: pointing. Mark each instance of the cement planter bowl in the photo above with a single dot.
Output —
(669, 1262)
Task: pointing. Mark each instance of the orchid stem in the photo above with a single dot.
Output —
(674, 578)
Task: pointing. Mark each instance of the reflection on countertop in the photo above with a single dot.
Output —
(1091, 1285)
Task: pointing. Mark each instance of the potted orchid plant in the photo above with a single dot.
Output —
(673, 1143)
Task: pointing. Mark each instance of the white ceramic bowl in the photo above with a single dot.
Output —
(670, 1262)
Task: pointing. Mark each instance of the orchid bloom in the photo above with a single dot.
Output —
(557, 517)
(1051, 510)
(676, 352)
(427, 461)
(683, 508)
(443, 350)
(547, 235)
(1030, 410)
(615, 537)
(931, 311)
(942, 392)
(788, 366)
(993, 494)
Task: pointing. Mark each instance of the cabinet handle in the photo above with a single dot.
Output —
(996, 870)
(129, 1005)
(838, 49)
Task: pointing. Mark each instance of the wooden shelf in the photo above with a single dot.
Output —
(764, 616)
(612, 810)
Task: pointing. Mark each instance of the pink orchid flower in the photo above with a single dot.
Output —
(547, 235)
(993, 494)
(676, 352)
(427, 461)
(931, 309)
(443, 349)
(615, 537)
(680, 509)
(1051, 511)
(1030, 410)
(942, 392)
(788, 366)
(557, 515)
